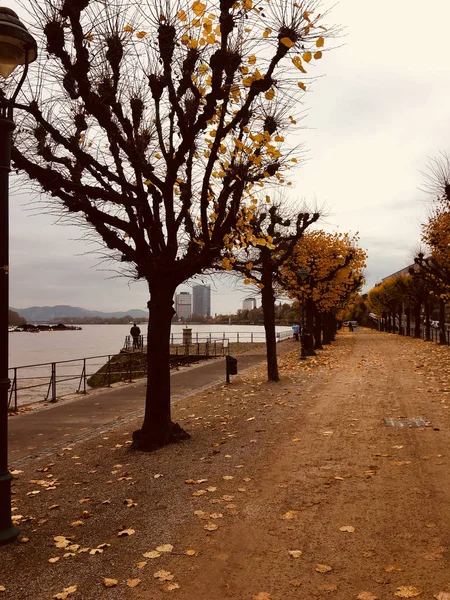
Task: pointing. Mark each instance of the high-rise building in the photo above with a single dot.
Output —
(249, 304)
(183, 305)
(201, 300)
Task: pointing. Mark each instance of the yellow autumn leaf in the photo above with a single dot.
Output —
(107, 582)
(321, 568)
(318, 55)
(66, 592)
(198, 8)
(320, 42)
(267, 32)
(252, 59)
(408, 591)
(270, 94)
(347, 529)
(152, 554)
(247, 281)
(128, 29)
(262, 596)
(133, 582)
(307, 57)
(191, 552)
(182, 15)
(248, 4)
(302, 86)
(287, 42)
(141, 34)
(163, 575)
(366, 596)
(295, 553)
(172, 586)
(290, 514)
(125, 532)
(164, 548)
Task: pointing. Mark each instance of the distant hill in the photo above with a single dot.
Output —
(52, 313)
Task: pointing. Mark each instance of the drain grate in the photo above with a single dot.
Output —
(409, 422)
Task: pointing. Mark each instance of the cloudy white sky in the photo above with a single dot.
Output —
(378, 112)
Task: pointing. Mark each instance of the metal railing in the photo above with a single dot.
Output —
(434, 333)
(196, 336)
(52, 380)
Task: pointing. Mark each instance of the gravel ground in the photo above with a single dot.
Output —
(294, 490)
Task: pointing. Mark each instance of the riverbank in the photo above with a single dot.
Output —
(288, 490)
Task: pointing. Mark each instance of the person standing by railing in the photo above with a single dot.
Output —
(135, 332)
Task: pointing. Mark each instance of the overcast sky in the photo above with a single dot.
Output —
(375, 116)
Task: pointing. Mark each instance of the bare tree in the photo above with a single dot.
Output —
(155, 122)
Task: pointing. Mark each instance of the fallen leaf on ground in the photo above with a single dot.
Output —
(368, 553)
(347, 528)
(66, 592)
(129, 502)
(152, 554)
(366, 596)
(164, 548)
(391, 568)
(296, 582)
(126, 532)
(133, 582)
(331, 587)
(163, 575)
(110, 582)
(227, 477)
(408, 591)
(323, 568)
(262, 596)
(157, 475)
(295, 553)
(442, 596)
(77, 523)
(141, 564)
(199, 493)
(211, 527)
(172, 586)
(290, 514)
(2, 588)
(54, 559)
(191, 552)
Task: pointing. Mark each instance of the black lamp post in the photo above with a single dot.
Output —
(303, 273)
(17, 47)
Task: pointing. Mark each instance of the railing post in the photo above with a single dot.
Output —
(84, 378)
(53, 382)
(109, 370)
(251, 337)
(130, 366)
(237, 337)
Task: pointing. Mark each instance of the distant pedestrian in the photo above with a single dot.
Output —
(135, 333)
(295, 331)
(350, 326)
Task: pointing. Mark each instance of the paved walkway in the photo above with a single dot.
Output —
(40, 431)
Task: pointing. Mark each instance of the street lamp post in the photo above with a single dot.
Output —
(17, 47)
(303, 273)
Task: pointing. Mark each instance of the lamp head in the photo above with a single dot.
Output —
(17, 46)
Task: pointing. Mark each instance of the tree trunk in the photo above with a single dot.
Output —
(442, 335)
(332, 326)
(310, 327)
(417, 319)
(427, 321)
(327, 321)
(408, 321)
(317, 330)
(157, 429)
(268, 306)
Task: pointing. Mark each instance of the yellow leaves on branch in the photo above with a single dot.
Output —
(198, 8)
(287, 42)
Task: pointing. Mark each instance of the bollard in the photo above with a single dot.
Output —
(231, 367)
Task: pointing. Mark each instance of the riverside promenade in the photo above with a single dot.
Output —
(48, 427)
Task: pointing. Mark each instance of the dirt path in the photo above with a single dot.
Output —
(347, 469)
(271, 469)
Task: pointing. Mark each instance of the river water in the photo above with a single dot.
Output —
(91, 341)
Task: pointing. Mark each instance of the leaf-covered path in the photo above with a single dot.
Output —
(290, 491)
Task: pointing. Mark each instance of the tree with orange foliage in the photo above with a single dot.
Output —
(154, 124)
(334, 263)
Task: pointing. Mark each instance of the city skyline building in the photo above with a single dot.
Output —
(201, 297)
(249, 303)
(183, 305)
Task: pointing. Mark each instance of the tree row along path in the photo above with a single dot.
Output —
(294, 490)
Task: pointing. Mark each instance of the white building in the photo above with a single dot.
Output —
(201, 295)
(249, 304)
(183, 305)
